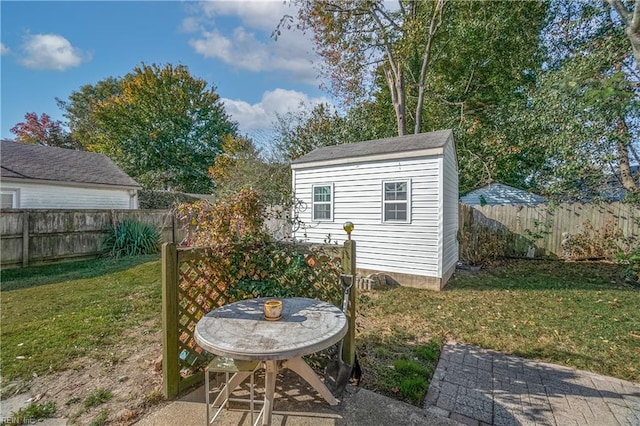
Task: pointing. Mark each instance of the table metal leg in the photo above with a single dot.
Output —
(301, 368)
(271, 372)
(235, 381)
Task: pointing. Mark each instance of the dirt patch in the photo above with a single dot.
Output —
(129, 374)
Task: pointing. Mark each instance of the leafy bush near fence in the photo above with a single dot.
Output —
(131, 238)
(480, 244)
(591, 243)
(632, 260)
(243, 259)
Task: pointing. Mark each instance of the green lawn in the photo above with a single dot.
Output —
(54, 314)
(581, 315)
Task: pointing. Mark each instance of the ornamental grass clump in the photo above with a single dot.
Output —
(131, 238)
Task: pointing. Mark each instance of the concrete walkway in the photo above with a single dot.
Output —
(480, 387)
(297, 404)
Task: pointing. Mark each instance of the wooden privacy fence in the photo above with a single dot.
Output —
(189, 292)
(540, 230)
(34, 235)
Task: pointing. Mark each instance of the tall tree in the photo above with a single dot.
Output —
(587, 104)
(438, 64)
(163, 126)
(241, 165)
(43, 131)
(300, 132)
(355, 37)
(80, 107)
(629, 13)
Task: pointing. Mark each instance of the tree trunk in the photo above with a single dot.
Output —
(395, 81)
(634, 38)
(623, 160)
(631, 20)
(436, 20)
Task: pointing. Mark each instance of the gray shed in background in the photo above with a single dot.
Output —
(501, 194)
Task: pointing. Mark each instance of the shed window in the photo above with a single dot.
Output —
(323, 202)
(396, 197)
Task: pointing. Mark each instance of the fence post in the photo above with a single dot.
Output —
(25, 238)
(170, 363)
(173, 227)
(349, 268)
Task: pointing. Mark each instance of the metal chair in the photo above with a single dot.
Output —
(226, 365)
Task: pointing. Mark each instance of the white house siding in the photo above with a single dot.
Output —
(408, 248)
(45, 196)
(450, 209)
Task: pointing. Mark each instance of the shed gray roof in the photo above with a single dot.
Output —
(499, 193)
(23, 161)
(378, 146)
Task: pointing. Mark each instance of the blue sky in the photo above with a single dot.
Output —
(50, 49)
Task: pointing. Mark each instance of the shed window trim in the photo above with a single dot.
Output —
(322, 202)
(396, 201)
(15, 198)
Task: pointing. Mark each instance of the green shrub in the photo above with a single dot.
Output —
(632, 261)
(592, 243)
(243, 259)
(131, 238)
(480, 244)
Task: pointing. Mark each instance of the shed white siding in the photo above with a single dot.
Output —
(450, 219)
(56, 196)
(408, 248)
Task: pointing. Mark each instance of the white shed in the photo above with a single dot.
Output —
(45, 177)
(401, 194)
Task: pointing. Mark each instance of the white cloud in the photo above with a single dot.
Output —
(263, 15)
(50, 51)
(250, 46)
(4, 49)
(262, 115)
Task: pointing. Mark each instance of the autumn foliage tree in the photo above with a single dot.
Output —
(165, 128)
(160, 124)
(42, 131)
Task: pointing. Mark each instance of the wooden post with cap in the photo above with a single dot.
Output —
(349, 268)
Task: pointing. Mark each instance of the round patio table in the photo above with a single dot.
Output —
(239, 330)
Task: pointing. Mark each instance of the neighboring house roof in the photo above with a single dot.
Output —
(612, 190)
(47, 163)
(499, 193)
(401, 144)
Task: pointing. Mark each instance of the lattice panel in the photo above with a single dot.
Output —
(197, 295)
(200, 292)
(323, 266)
